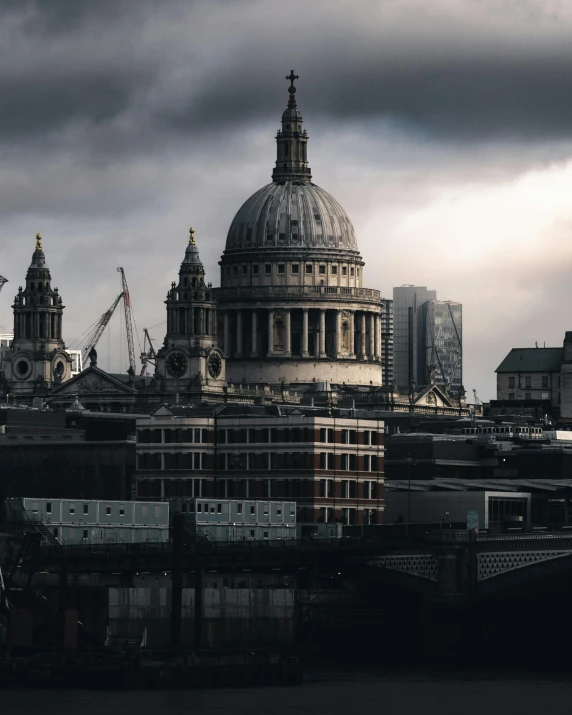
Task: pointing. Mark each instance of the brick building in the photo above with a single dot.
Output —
(331, 465)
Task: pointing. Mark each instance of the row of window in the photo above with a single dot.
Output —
(349, 462)
(264, 461)
(72, 509)
(349, 436)
(295, 269)
(348, 489)
(195, 435)
(217, 509)
(528, 381)
(266, 435)
(255, 488)
(348, 516)
(180, 460)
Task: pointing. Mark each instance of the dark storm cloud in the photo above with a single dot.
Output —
(167, 62)
(464, 98)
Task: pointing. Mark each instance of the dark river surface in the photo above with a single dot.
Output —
(324, 692)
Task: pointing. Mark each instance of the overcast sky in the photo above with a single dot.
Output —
(443, 128)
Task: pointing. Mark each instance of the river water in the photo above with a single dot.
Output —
(328, 693)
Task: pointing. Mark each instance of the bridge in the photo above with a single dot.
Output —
(463, 567)
(447, 566)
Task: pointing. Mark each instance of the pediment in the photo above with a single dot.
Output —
(93, 381)
(163, 411)
(433, 396)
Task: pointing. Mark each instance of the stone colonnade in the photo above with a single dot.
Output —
(191, 321)
(43, 325)
(301, 332)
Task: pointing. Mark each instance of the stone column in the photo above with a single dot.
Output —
(192, 325)
(270, 332)
(253, 344)
(371, 350)
(338, 349)
(376, 337)
(60, 326)
(239, 333)
(288, 330)
(352, 333)
(322, 333)
(305, 353)
(362, 336)
(226, 334)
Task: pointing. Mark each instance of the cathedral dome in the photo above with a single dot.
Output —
(291, 214)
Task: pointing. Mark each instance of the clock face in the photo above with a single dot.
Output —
(214, 365)
(23, 368)
(177, 364)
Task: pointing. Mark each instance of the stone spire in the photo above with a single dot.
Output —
(291, 142)
(38, 308)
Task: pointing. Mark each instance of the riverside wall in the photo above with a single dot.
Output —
(230, 617)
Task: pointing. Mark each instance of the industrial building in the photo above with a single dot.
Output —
(451, 502)
(78, 521)
(238, 520)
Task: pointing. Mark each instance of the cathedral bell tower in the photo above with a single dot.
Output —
(190, 358)
(37, 360)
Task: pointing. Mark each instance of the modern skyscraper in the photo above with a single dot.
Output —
(408, 354)
(443, 343)
(387, 340)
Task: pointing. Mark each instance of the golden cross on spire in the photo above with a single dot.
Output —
(191, 236)
(38, 242)
(292, 77)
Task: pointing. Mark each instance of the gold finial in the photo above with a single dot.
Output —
(191, 236)
(38, 242)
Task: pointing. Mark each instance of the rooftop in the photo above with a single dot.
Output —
(532, 360)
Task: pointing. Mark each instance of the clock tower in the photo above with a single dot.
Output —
(190, 360)
(37, 360)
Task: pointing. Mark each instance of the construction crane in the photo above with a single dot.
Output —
(128, 321)
(101, 324)
(148, 355)
(97, 332)
(2, 281)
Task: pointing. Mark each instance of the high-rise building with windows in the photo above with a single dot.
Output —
(387, 341)
(442, 343)
(427, 339)
(408, 355)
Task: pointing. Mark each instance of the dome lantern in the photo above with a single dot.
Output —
(291, 142)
